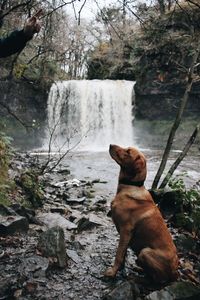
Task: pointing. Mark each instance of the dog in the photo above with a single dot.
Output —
(139, 221)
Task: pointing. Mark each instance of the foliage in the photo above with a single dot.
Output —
(189, 202)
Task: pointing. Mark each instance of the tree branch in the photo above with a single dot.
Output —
(180, 158)
(27, 127)
(14, 8)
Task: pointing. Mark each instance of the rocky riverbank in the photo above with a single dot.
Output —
(35, 265)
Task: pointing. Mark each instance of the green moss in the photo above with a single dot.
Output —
(30, 183)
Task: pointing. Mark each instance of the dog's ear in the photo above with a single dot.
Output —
(135, 166)
(139, 162)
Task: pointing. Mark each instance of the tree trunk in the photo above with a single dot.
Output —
(180, 158)
(161, 6)
(178, 117)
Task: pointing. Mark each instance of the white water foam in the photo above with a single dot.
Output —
(90, 114)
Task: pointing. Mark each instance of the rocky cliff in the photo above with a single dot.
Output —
(168, 45)
(22, 111)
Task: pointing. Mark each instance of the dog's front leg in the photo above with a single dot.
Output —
(125, 237)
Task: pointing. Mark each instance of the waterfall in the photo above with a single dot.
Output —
(90, 113)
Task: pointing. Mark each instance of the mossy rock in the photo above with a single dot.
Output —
(30, 183)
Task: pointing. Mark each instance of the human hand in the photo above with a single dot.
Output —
(33, 24)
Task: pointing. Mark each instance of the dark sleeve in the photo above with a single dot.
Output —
(14, 43)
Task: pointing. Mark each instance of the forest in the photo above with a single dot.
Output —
(96, 73)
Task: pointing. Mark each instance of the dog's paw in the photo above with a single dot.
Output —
(110, 272)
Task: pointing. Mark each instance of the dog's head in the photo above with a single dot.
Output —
(131, 161)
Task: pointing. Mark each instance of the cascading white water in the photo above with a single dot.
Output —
(90, 113)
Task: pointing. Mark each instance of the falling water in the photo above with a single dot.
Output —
(90, 114)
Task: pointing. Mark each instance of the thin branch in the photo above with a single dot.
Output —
(27, 127)
(14, 8)
(178, 117)
(55, 9)
(79, 13)
(180, 158)
(194, 3)
(102, 13)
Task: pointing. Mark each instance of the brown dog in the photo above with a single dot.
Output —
(139, 221)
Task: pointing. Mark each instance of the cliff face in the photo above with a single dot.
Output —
(22, 112)
(166, 58)
(157, 100)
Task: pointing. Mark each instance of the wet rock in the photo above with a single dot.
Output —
(34, 267)
(74, 256)
(60, 210)
(88, 194)
(64, 171)
(97, 180)
(176, 291)
(28, 213)
(67, 183)
(126, 290)
(90, 221)
(29, 181)
(10, 225)
(75, 200)
(55, 219)
(52, 244)
(49, 190)
(6, 211)
(7, 285)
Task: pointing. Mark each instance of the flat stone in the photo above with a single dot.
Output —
(126, 290)
(10, 225)
(55, 219)
(90, 221)
(6, 211)
(67, 183)
(75, 200)
(34, 266)
(60, 210)
(176, 291)
(74, 256)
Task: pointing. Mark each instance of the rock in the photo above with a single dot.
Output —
(7, 286)
(90, 221)
(64, 171)
(6, 211)
(10, 225)
(60, 210)
(176, 291)
(29, 181)
(52, 244)
(75, 200)
(34, 266)
(24, 212)
(74, 256)
(67, 183)
(97, 180)
(55, 219)
(126, 290)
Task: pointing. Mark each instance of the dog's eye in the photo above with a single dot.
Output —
(128, 151)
